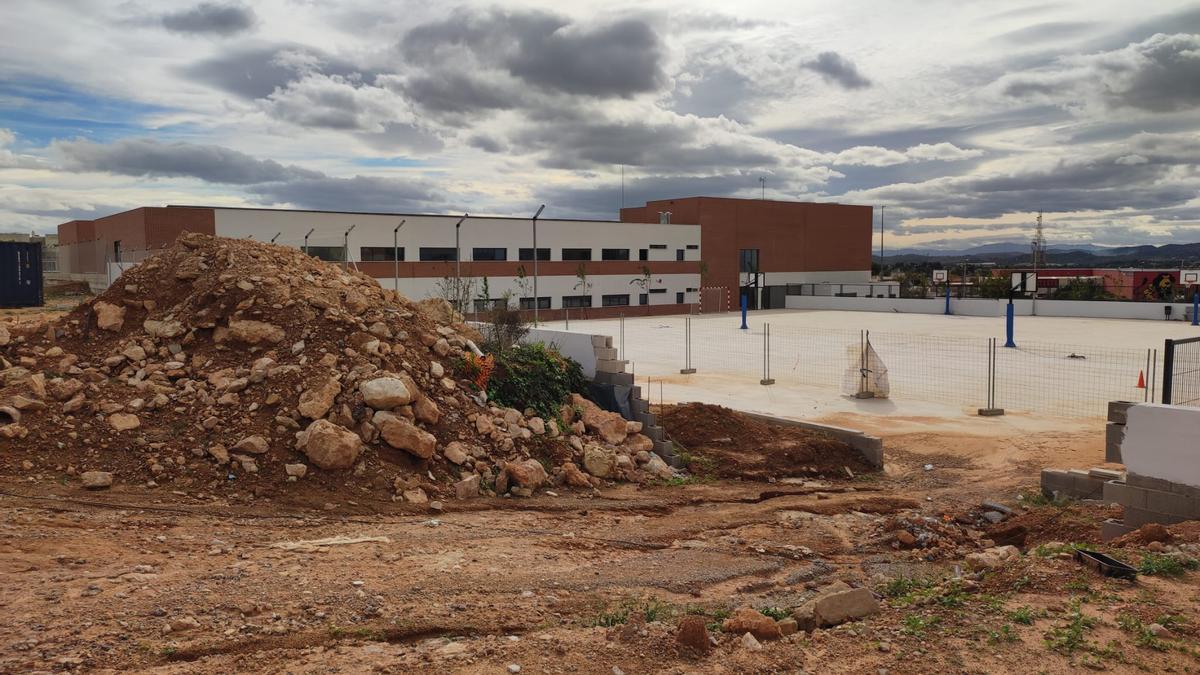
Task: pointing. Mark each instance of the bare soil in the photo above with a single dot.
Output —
(162, 580)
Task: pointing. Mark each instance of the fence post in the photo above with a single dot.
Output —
(621, 353)
(1168, 366)
(767, 379)
(687, 347)
(991, 410)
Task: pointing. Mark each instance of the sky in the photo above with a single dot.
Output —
(962, 119)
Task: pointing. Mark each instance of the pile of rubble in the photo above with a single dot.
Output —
(232, 362)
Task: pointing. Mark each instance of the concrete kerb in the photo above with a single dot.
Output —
(870, 447)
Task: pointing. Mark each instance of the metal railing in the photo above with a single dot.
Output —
(1181, 372)
(997, 289)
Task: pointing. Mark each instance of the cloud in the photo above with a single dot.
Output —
(836, 69)
(333, 102)
(359, 193)
(1160, 74)
(211, 18)
(256, 71)
(148, 158)
(12, 160)
(873, 155)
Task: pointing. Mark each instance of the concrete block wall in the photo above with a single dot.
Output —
(1114, 432)
(611, 370)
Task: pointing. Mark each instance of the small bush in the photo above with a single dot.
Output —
(1167, 565)
(534, 376)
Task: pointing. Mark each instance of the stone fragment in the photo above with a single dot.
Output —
(123, 421)
(328, 445)
(693, 635)
(402, 434)
(385, 393)
(316, 401)
(96, 480)
(109, 317)
(750, 620)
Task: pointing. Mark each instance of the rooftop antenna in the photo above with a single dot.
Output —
(763, 181)
(622, 200)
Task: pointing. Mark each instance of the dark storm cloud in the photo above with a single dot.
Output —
(836, 69)
(1169, 79)
(397, 136)
(256, 71)
(486, 143)
(152, 159)
(546, 51)
(459, 92)
(210, 18)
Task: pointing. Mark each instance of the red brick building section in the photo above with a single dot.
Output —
(791, 238)
(86, 245)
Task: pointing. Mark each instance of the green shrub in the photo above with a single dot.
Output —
(534, 376)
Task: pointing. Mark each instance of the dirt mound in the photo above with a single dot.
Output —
(730, 444)
(1075, 523)
(239, 366)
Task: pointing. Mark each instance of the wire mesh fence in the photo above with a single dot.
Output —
(1181, 372)
(1052, 379)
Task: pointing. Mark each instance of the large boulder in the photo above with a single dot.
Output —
(328, 445)
(399, 433)
(637, 442)
(574, 477)
(658, 468)
(834, 605)
(599, 461)
(96, 480)
(250, 332)
(991, 558)
(608, 425)
(385, 393)
(426, 410)
(749, 620)
(318, 398)
(693, 634)
(162, 329)
(109, 316)
(527, 474)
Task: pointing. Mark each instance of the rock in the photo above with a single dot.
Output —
(636, 443)
(441, 347)
(658, 468)
(455, 452)
(402, 434)
(787, 626)
(905, 538)
(436, 370)
(467, 487)
(1158, 630)
(13, 430)
(693, 635)
(992, 558)
(484, 426)
(4, 336)
(574, 477)
(749, 643)
(537, 425)
(96, 480)
(296, 470)
(633, 427)
(219, 453)
(253, 332)
(9, 415)
(836, 608)
(528, 474)
(599, 461)
(608, 425)
(316, 401)
(163, 329)
(134, 353)
(254, 445)
(62, 390)
(993, 517)
(415, 496)
(385, 393)
(109, 317)
(123, 421)
(328, 445)
(750, 621)
(426, 410)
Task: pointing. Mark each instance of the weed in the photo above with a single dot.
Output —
(1005, 634)
(992, 602)
(1038, 498)
(1141, 633)
(608, 619)
(776, 613)
(902, 586)
(1079, 584)
(169, 650)
(916, 625)
(655, 609)
(1048, 551)
(1067, 638)
(1022, 615)
(1166, 565)
(953, 596)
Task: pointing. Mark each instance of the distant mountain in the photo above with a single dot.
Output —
(1057, 255)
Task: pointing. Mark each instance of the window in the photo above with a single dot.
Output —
(543, 302)
(643, 299)
(489, 254)
(328, 253)
(679, 254)
(482, 305)
(691, 290)
(748, 260)
(615, 300)
(577, 254)
(573, 301)
(678, 298)
(643, 254)
(527, 254)
(659, 246)
(381, 254)
(693, 247)
(438, 254)
(614, 254)
(658, 290)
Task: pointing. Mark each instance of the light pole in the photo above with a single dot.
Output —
(458, 265)
(881, 213)
(396, 254)
(346, 248)
(275, 237)
(535, 264)
(763, 181)
(306, 240)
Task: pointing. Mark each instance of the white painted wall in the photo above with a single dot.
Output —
(842, 276)
(483, 232)
(578, 346)
(1163, 441)
(1150, 311)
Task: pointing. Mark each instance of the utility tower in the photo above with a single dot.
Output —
(1039, 245)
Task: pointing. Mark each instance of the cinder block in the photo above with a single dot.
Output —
(1139, 480)
(1057, 480)
(1115, 492)
(610, 366)
(655, 433)
(601, 341)
(1106, 474)
(1086, 486)
(605, 352)
(625, 379)
(1172, 503)
(1118, 411)
(1111, 529)
(1114, 436)
(1136, 518)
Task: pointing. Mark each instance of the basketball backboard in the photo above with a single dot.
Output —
(940, 276)
(1024, 282)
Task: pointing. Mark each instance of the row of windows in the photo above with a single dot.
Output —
(448, 253)
(576, 301)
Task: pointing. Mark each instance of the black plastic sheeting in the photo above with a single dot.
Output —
(612, 397)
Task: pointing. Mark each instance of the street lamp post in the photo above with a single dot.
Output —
(458, 265)
(346, 248)
(535, 265)
(306, 240)
(275, 237)
(396, 254)
(882, 210)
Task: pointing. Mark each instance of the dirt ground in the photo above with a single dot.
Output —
(156, 580)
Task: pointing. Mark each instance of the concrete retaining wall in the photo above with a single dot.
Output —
(578, 346)
(870, 447)
(1163, 441)
(988, 307)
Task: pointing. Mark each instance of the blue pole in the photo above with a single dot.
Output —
(1196, 308)
(947, 298)
(1009, 326)
(744, 305)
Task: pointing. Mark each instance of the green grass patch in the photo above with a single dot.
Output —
(1022, 615)
(916, 625)
(1072, 635)
(1166, 565)
(1004, 634)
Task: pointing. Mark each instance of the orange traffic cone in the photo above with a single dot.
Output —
(1141, 379)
